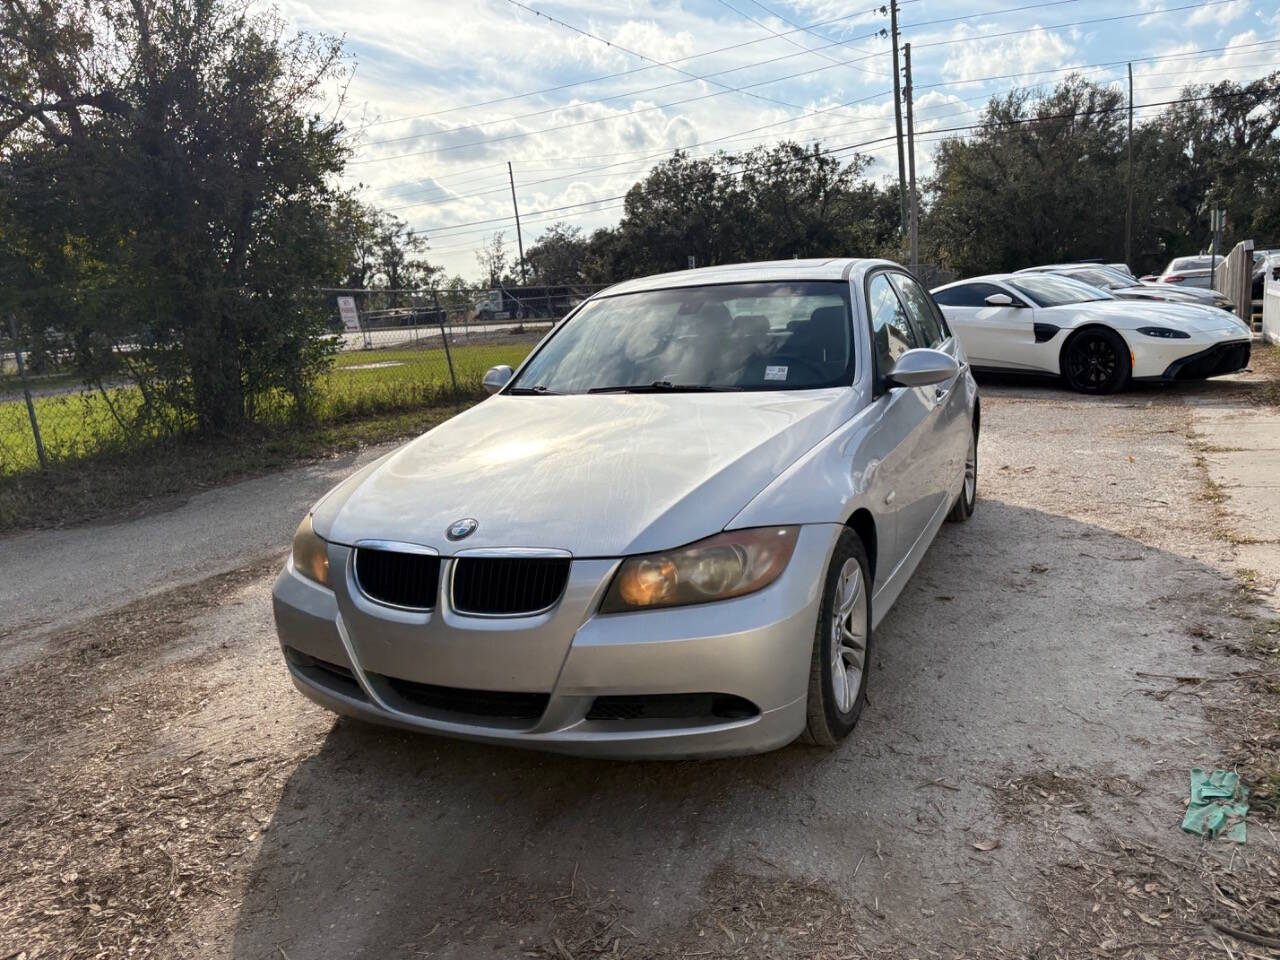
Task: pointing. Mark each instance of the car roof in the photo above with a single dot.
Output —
(833, 268)
(1061, 266)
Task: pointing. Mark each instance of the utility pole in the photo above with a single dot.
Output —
(516, 208)
(897, 113)
(911, 166)
(1128, 210)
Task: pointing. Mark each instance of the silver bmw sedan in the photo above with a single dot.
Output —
(670, 532)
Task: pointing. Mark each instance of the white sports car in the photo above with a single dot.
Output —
(1046, 324)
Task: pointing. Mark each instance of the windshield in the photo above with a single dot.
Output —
(1047, 290)
(1105, 278)
(748, 336)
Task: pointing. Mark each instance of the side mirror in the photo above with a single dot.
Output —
(999, 300)
(921, 368)
(496, 378)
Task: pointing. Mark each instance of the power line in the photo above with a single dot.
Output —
(626, 73)
(648, 59)
(633, 165)
(957, 129)
(613, 116)
(786, 37)
(747, 87)
(631, 93)
(861, 121)
(1074, 23)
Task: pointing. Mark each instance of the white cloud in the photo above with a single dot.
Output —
(1219, 15)
(978, 57)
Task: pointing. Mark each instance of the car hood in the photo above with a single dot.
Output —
(1130, 314)
(598, 475)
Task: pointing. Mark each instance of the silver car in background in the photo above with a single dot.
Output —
(671, 532)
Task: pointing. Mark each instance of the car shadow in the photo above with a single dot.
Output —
(1015, 646)
(1231, 388)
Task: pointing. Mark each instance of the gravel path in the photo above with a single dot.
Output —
(1014, 788)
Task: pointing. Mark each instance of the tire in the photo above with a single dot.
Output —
(962, 510)
(833, 709)
(484, 316)
(1096, 361)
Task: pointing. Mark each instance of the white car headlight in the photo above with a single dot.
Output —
(727, 565)
(310, 553)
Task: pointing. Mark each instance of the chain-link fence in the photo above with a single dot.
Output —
(400, 348)
(390, 350)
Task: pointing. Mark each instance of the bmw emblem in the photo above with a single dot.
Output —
(461, 529)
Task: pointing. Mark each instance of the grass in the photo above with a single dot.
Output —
(77, 426)
(98, 467)
(134, 480)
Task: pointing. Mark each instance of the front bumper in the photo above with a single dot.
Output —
(1223, 358)
(534, 681)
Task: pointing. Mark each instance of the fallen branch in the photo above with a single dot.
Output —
(1244, 935)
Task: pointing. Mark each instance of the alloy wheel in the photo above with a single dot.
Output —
(1092, 364)
(848, 636)
(971, 469)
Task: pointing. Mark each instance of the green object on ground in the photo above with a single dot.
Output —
(1217, 801)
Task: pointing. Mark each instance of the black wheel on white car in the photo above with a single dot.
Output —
(1096, 360)
(841, 644)
(962, 510)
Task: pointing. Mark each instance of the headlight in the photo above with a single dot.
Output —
(310, 553)
(1164, 333)
(726, 565)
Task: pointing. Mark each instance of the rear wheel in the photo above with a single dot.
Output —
(1096, 361)
(839, 665)
(968, 499)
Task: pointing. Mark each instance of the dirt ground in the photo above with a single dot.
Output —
(1015, 788)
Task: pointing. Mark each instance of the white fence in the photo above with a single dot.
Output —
(1271, 307)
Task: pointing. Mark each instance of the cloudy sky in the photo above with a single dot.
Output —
(583, 96)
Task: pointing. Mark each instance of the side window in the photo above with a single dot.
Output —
(890, 328)
(966, 295)
(920, 309)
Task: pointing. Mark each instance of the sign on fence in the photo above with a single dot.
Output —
(350, 316)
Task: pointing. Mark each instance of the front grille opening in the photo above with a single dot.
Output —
(491, 704)
(332, 676)
(508, 586)
(409, 580)
(673, 706)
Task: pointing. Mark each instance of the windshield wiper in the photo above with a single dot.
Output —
(536, 390)
(665, 386)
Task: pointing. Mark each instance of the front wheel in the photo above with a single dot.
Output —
(1096, 361)
(839, 664)
(962, 510)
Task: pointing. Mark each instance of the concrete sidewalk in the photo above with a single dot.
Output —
(50, 578)
(1242, 455)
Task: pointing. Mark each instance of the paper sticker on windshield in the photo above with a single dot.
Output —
(775, 373)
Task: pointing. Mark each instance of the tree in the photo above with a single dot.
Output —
(1037, 183)
(182, 147)
(494, 260)
(767, 203)
(558, 256)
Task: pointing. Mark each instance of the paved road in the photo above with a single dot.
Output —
(53, 577)
(398, 336)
